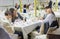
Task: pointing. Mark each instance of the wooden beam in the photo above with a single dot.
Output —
(35, 10)
(20, 5)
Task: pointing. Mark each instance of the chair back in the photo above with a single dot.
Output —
(54, 23)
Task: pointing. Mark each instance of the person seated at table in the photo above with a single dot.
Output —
(17, 6)
(50, 18)
(15, 15)
(24, 8)
(8, 15)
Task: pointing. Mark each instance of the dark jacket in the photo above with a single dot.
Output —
(54, 23)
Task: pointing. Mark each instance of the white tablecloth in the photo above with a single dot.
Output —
(57, 14)
(27, 27)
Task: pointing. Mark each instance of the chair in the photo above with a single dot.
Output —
(49, 34)
(11, 32)
(40, 35)
(44, 30)
(53, 33)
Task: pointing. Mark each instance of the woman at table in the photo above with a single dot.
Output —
(50, 19)
(15, 15)
(8, 15)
